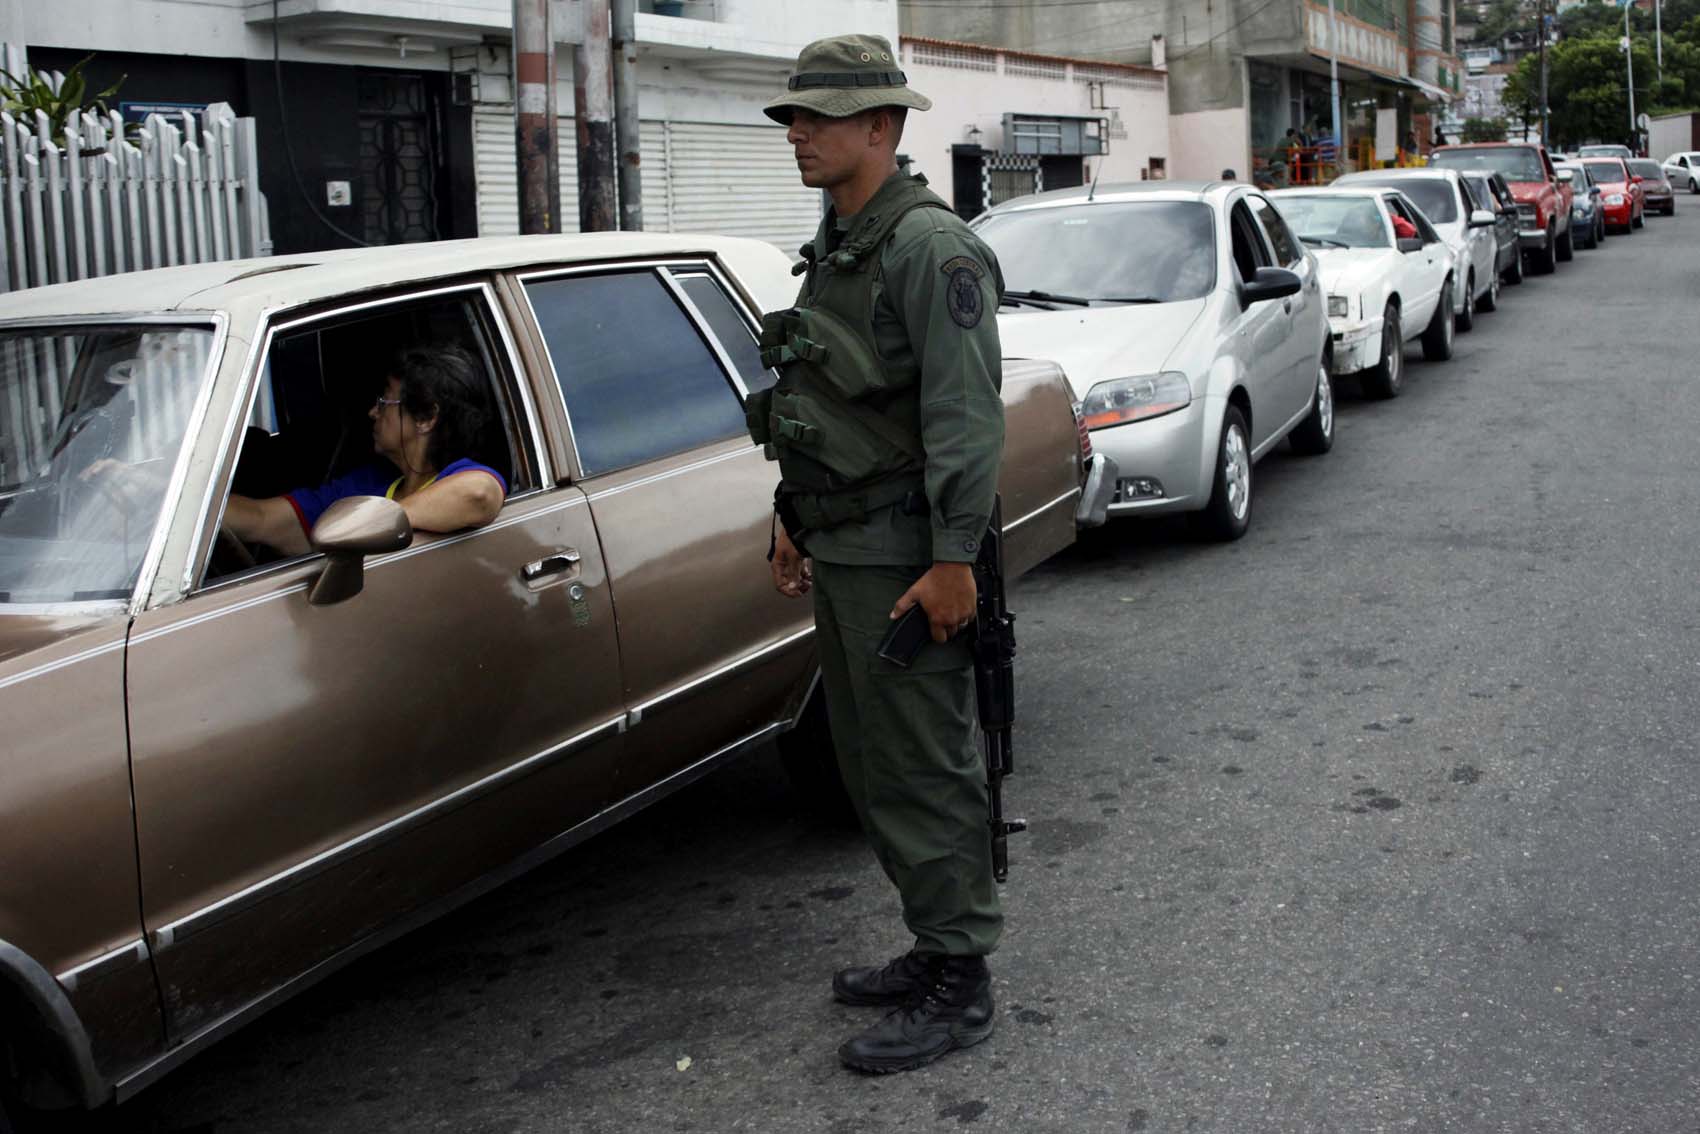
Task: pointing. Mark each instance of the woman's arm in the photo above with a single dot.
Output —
(271, 521)
(467, 499)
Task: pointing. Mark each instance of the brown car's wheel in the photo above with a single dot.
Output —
(811, 764)
(1228, 514)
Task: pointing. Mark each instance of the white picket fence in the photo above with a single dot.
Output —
(176, 192)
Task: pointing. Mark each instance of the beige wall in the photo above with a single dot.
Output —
(1206, 142)
(964, 98)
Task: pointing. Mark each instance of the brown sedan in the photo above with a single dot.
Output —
(231, 767)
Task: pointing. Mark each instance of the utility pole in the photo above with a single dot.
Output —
(1541, 31)
(534, 119)
(1629, 62)
(1658, 39)
(1334, 88)
(626, 129)
(593, 98)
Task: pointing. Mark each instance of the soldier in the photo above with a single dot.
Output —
(888, 428)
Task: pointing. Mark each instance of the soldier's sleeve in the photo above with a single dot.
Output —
(945, 286)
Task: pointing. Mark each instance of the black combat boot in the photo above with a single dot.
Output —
(953, 1009)
(882, 986)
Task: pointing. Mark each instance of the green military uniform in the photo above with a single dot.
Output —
(888, 427)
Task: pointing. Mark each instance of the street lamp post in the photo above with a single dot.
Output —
(1334, 86)
(1629, 62)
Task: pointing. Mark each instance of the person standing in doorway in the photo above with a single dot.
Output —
(887, 424)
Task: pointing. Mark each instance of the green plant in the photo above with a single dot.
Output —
(21, 98)
(1484, 129)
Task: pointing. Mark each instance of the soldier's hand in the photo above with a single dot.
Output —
(946, 592)
(792, 574)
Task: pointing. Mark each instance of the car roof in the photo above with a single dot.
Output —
(1121, 191)
(1333, 191)
(284, 281)
(1485, 146)
(1428, 173)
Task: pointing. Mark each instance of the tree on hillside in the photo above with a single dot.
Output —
(1586, 96)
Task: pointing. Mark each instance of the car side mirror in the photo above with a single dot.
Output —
(1481, 218)
(1270, 283)
(351, 529)
(1410, 244)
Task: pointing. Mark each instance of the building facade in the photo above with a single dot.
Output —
(384, 121)
(1244, 72)
(1007, 123)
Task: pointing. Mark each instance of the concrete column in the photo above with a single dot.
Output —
(534, 119)
(593, 93)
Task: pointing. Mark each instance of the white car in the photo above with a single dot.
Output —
(1383, 290)
(1190, 322)
(1683, 169)
(1443, 199)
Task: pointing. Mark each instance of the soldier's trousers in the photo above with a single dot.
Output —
(908, 753)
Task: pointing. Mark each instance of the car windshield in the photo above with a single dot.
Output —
(1517, 163)
(1434, 196)
(1155, 251)
(91, 420)
(1606, 172)
(1651, 170)
(1353, 221)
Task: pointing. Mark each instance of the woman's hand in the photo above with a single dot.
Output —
(792, 574)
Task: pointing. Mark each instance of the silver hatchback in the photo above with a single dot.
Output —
(1191, 324)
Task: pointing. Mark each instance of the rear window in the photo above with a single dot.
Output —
(1517, 163)
(1606, 172)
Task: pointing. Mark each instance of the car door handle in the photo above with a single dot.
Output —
(562, 562)
(1287, 305)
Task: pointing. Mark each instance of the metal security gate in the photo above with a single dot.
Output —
(398, 160)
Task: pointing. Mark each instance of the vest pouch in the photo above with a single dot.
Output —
(814, 425)
(839, 354)
(758, 408)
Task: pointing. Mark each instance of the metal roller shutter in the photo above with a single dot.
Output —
(498, 177)
(738, 181)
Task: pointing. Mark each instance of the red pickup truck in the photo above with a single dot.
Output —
(1543, 201)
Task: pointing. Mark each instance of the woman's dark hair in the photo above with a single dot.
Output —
(445, 381)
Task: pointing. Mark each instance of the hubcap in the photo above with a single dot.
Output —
(1325, 402)
(1395, 352)
(1236, 472)
(1449, 324)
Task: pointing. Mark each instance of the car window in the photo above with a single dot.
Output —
(1326, 219)
(311, 432)
(735, 334)
(1249, 253)
(1606, 172)
(1288, 251)
(1648, 169)
(1415, 215)
(1517, 163)
(1162, 250)
(1432, 195)
(638, 379)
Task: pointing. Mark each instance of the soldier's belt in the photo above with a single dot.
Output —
(821, 512)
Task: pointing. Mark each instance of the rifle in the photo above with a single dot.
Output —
(994, 683)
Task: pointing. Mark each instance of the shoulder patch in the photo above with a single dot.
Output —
(962, 293)
(950, 266)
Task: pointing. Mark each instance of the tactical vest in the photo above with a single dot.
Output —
(843, 423)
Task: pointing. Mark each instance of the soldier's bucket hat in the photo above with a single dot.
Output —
(845, 75)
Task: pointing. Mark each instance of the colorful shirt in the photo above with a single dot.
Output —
(376, 479)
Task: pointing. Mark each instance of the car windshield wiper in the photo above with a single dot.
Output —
(1127, 299)
(1048, 297)
(1323, 240)
(1022, 301)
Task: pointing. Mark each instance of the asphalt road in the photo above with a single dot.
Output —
(1383, 818)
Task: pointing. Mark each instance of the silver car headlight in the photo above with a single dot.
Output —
(1137, 398)
(1614, 198)
(1339, 307)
